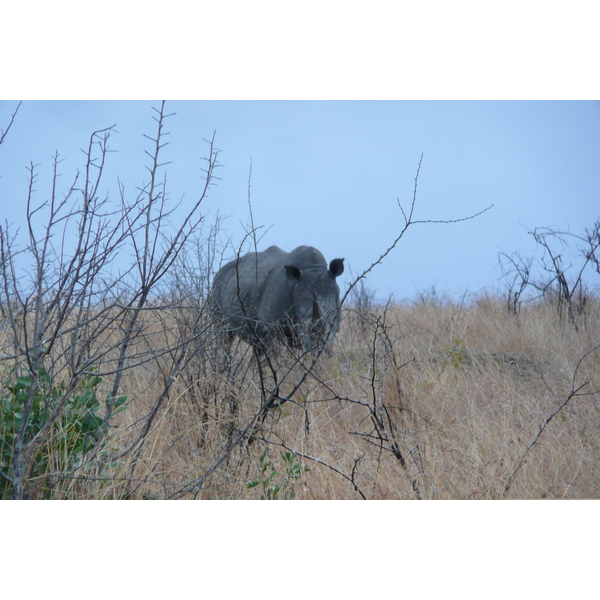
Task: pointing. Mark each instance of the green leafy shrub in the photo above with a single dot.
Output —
(75, 429)
(273, 482)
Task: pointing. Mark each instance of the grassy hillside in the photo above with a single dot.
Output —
(423, 400)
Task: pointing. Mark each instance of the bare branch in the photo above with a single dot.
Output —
(408, 222)
(4, 132)
(576, 390)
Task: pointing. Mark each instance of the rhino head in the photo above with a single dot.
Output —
(316, 302)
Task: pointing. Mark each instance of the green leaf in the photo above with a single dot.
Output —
(22, 384)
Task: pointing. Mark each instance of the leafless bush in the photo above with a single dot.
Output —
(362, 299)
(592, 241)
(76, 321)
(558, 276)
(516, 271)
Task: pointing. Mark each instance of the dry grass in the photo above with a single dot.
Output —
(466, 391)
(461, 391)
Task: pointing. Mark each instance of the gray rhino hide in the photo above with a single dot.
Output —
(290, 295)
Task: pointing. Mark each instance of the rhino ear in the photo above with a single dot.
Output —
(336, 267)
(292, 272)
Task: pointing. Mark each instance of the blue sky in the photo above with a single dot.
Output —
(329, 173)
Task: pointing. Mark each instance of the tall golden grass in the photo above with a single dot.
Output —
(432, 400)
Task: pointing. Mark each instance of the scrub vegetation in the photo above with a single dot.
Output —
(114, 383)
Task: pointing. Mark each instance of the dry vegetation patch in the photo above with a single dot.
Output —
(415, 401)
(423, 400)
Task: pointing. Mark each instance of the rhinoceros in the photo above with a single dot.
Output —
(292, 296)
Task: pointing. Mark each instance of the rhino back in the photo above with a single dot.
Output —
(240, 287)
